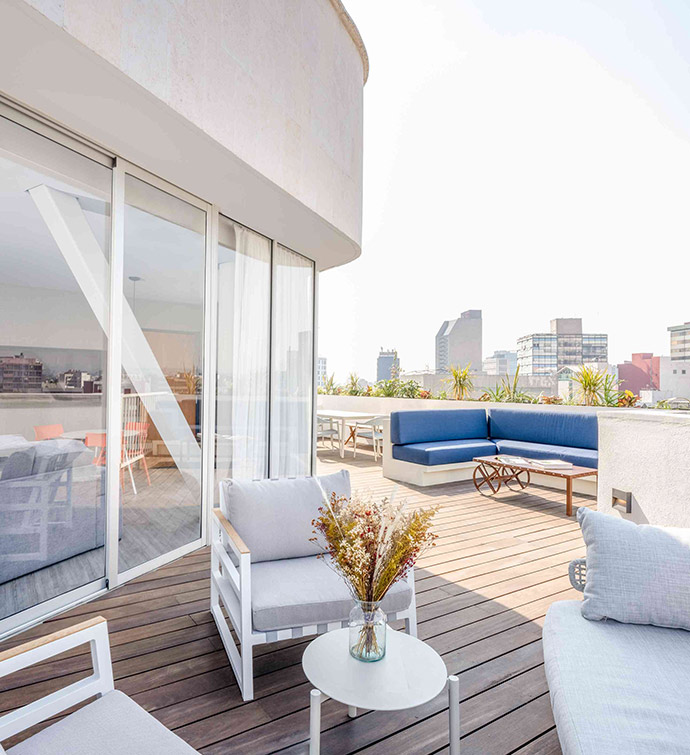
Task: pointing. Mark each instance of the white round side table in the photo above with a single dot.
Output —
(410, 674)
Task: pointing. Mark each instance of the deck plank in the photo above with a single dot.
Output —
(482, 595)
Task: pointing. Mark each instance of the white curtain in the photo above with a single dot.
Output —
(292, 364)
(244, 286)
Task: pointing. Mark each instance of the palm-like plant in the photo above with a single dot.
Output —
(387, 388)
(460, 382)
(591, 386)
(611, 394)
(352, 386)
(330, 387)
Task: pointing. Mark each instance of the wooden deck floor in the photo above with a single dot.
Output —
(482, 594)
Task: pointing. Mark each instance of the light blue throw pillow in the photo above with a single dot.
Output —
(636, 573)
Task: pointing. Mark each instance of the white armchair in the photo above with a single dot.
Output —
(266, 573)
(96, 727)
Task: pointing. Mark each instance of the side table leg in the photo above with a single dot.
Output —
(314, 722)
(568, 496)
(352, 711)
(454, 714)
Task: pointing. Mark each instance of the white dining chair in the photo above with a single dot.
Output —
(370, 429)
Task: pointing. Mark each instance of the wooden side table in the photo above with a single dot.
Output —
(410, 674)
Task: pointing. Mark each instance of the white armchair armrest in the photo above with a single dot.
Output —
(95, 632)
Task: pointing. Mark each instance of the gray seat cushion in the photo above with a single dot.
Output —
(112, 725)
(616, 688)
(636, 573)
(274, 517)
(304, 591)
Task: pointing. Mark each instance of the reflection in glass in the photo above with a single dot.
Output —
(54, 279)
(162, 329)
(292, 364)
(244, 289)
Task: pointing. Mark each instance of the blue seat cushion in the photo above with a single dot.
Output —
(581, 457)
(438, 424)
(444, 451)
(558, 428)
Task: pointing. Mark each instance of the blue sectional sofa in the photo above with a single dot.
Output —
(434, 446)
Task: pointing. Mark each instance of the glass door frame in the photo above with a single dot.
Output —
(24, 118)
(121, 170)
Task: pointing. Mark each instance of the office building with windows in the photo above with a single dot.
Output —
(680, 342)
(387, 364)
(172, 181)
(565, 346)
(459, 342)
(321, 372)
(501, 363)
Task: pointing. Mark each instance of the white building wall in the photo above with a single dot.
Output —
(278, 83)
(646, 453)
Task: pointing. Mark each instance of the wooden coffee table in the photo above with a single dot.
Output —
(492, 473)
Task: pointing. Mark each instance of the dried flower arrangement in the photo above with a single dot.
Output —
(372, 544)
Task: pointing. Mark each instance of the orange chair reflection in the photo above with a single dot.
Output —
(48, 432)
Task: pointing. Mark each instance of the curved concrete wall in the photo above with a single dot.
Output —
(276, 82)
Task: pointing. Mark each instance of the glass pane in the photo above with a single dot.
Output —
(54, 279)
(244, 290)
(162, 344)
(292, 364)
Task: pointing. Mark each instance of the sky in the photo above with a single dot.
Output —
(530, 159)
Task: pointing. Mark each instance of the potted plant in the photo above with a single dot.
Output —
(372, 545)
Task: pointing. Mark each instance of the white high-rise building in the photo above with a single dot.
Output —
(459, 342)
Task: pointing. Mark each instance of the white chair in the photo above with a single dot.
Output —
(266, 574)
(326, 428)
(370, 429)
(113, 723)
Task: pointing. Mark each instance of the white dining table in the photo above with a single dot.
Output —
(344, 417)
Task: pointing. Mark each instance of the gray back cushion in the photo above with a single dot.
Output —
(636, 573)
(19, 464)
(274, 517)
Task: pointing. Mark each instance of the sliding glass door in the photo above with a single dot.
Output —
(107, 473)
(54, 279)
(162, 373)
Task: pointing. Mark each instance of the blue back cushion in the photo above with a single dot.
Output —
(438, 424)
(575, 429)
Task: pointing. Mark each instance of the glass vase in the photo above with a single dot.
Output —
(367, 631)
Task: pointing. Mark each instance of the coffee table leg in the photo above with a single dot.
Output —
(352, 711)
(314, 722)
(454, 714)
(569, 496)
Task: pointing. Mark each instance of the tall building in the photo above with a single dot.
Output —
(641, 373)
(459, 342)
(321, 372)
(387, 365)
(501, 363)
(680, 342)
(20, 374)
(565, 346)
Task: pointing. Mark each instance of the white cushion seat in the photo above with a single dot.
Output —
(111, 725)
(616, 688)
(298, 592)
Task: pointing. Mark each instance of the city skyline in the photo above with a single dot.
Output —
(494, 213)
(670, 332)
